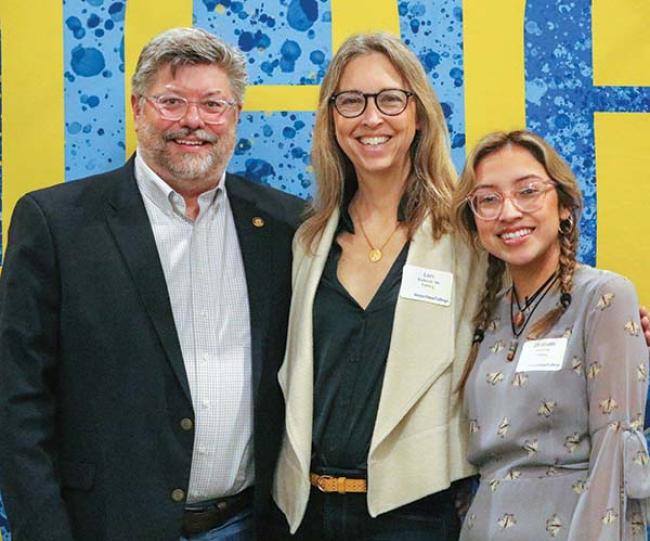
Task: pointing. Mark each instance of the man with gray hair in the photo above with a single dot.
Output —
(142, 322)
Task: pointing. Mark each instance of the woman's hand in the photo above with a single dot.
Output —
(645, 324)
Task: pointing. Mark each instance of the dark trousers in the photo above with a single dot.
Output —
(344, 517)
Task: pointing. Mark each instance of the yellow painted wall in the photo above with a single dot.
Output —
(623, 142)
(32, 106)
(622, 168)
(494, 67)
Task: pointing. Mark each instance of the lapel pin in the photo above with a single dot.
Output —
(257, 221)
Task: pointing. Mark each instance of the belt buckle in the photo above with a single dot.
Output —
(320, 482)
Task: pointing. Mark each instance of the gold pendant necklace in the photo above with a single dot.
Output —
(376, 253)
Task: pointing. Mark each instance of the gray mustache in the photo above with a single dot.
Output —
(201, 135)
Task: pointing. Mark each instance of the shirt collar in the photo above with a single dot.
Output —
(161, 194)
(345, 220)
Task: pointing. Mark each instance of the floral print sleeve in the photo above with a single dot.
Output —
(613, 507)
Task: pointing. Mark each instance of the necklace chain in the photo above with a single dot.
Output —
(519, 321)
(376, 253)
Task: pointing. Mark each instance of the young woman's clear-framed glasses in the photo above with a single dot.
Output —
(352, 103)
(487, 203)
(171, 107)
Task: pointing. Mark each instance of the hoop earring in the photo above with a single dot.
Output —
(566, 226)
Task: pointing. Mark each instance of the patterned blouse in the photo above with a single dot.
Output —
(558, 438)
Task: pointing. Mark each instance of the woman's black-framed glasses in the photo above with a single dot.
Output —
(390, 102)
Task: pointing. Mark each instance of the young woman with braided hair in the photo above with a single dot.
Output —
(555, 385)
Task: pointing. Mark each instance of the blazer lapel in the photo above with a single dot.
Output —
(255, 242)
(128, 221)
(421, 342)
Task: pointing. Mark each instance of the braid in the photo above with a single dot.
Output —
(494, 280)
(568, 248)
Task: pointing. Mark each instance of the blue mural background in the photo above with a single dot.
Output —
(287, 42)
(561, 98)
(284, 44)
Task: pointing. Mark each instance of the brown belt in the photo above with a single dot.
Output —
(342, 485)
(215, 514)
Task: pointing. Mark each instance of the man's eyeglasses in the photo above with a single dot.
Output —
(174, 108)
(487, 203)
(352, 103)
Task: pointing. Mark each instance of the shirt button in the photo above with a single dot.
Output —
(178, 495)
(187, 424)
(205, 404)
(205, 357)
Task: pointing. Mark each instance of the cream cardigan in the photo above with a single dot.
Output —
(419, 440)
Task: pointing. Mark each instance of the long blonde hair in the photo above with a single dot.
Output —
(432, 177)
(569, 197)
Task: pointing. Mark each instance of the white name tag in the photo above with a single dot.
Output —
(545, 355)
(426, 285)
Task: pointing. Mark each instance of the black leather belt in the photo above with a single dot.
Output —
(202, 519)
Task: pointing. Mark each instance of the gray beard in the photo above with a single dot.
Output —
(188, 167)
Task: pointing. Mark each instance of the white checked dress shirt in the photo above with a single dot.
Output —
(204, 271)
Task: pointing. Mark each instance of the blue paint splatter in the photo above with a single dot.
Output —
(302, 14)
(267, 130)
(290, 52)
(289, 132)
(458, 141)
(87, 62)
(95, 2)
(243, 146)
(268, 67)
(258, 170)
(74, 24)
(533, 28)
(430, 60)
(417, 9)
(535, 90)
(116, 11)
(74, 128)
(457, 75)
(317, 57)
(267, 20)
(249, 41)
(93, 21)
(210, 4)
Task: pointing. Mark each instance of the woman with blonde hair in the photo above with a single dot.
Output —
(556, 383)
(380, 316)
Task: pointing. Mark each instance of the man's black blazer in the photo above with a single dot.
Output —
(92, 383)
